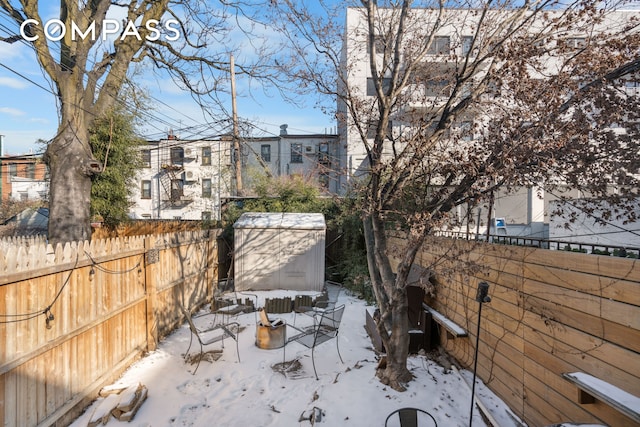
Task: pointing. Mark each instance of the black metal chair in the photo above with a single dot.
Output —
(325, 327)
(329, 301)
(210, 335)
(409, 417)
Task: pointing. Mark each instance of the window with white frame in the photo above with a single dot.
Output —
(380, 43)
(572, 42)
(145, 189)
(296, 152)
(177, 156)
(466, 42)
(206, 187)
(146, 158)
(466, 130)
(438, 87)
(206, 156)
(265, 152)
(441, 45)
(371, 87)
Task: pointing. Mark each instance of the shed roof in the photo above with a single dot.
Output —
(299, 221)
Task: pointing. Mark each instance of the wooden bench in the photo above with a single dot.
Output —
(591, 388)
(453, 329)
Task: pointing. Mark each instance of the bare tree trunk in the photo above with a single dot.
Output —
(71, 167)
(393, 326)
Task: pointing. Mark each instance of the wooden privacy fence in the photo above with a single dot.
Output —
(551, 313)
(73, 317)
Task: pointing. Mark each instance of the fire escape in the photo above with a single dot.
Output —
(173, 176)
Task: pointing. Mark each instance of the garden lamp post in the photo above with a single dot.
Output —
(482, 296)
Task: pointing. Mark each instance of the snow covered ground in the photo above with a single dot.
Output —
(229, 393)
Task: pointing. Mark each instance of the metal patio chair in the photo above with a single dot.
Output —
(210, 335)
(328, 302)
(325, 327)
(409, 417)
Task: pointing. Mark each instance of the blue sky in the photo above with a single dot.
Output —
(28, 109)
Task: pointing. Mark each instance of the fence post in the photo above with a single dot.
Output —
(213, 263)
(150, 259)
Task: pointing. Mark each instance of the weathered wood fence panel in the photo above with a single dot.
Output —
(551, 312)
(72, 318)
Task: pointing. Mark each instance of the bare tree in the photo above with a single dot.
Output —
(87, 55)
(510, 98)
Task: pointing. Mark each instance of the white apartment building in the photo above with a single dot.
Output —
(193, 179)
(183, 179)
(313, 156)
(526, 212)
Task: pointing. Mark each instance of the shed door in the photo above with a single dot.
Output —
(296, 258)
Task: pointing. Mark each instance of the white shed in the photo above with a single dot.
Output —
(279, 251)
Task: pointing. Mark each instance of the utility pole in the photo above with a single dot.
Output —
(237, 154)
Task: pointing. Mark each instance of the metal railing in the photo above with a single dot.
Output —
(560, 245)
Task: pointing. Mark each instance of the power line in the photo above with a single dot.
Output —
(128, 107)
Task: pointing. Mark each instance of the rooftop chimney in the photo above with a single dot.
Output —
(283, 129)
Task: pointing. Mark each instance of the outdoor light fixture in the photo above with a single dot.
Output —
(482, 296)
(48, 317)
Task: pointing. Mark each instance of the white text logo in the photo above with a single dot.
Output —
(55, 30)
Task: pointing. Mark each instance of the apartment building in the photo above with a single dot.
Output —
(314, 156)
(193, 179)
(526, 211)
(183, 179)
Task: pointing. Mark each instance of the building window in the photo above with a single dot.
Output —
(206, 216)
(466, 130)
(573, 42)
(265, 152)
(177, 156)
(206, 156)
(296, 152)
(177, 189)
(371, 87)
(13, 169)
(145, 189)
(439, 46)
(323, 153)
(146, 158)
(437, 88)
(323, 180)
(467, 42)
(31, 170)
(206, 187)
(380, 43)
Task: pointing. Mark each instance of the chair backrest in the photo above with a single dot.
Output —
(331, 318)
(409, 418)
(192, 326)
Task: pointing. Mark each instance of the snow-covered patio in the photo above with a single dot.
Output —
(229, 393)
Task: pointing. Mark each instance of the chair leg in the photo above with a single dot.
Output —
(237, 346)
(313, 361)
(186, 354)
(199, 359)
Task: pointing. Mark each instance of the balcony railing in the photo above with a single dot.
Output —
(559, 245)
